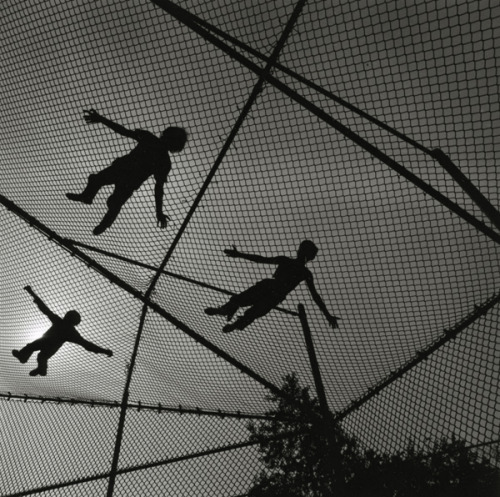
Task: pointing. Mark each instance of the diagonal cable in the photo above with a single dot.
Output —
(304, 80)
(479, 311)
(469, 188)
(74, 251)
(253, 96)
(185, 18)
(263, 76)
(177, 276)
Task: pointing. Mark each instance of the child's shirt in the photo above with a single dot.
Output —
(61, 332)
(290, 273)
(149, 158)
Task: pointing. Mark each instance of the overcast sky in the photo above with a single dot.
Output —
(394, 264)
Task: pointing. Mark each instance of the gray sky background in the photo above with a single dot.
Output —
(395, 265)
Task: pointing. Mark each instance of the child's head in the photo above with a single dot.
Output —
(72, 317)
(175, 138)
(308, 250)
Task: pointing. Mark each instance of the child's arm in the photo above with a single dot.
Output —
(252, 257)
(38, 301)
(319, 302)
(91, 347)
(92, 116)
(162, 218)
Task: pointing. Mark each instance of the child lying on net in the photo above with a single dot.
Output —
(62, 330)
(267, 294)
(149, 158)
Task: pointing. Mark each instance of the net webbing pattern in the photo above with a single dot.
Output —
(395, 263)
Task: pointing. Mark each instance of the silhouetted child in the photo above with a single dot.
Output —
(149, 158)
(62, 330)
(268, 293)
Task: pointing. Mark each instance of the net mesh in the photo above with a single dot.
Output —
(395, 264)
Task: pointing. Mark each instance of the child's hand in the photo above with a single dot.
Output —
(233, 252)
(162, 220)
(333, 322)
(91, 116)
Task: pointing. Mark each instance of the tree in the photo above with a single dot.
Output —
(306, 454)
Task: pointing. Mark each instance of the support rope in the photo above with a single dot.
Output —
(167, 273)
(179, 14)
(448, 335)
(53, 236)
(253, 96)
(133, 405)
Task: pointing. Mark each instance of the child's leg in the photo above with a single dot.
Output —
(248, 317)
(231, 306)
(228, 309)
(25, 353)
(253, 295)
(115, 202)
(43, 357)
(95, 182)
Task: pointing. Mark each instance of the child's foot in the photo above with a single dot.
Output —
(212, 311)
(99, 229)
(18, 356)
(78, 197)
(221, 311)
(38, 372)
(228, 328)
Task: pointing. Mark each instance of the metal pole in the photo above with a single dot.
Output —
(320, 389)
(123, 407)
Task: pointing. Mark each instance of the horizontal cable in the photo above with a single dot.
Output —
(139, 406)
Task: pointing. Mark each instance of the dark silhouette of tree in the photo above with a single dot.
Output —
(317, 458)
(306, 454)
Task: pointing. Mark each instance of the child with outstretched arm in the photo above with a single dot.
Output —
(268, 293)
(150, 157)
(62, 330)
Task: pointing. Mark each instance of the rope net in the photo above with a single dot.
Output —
(396, 265)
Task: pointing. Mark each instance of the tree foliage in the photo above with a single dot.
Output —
(306, 454)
